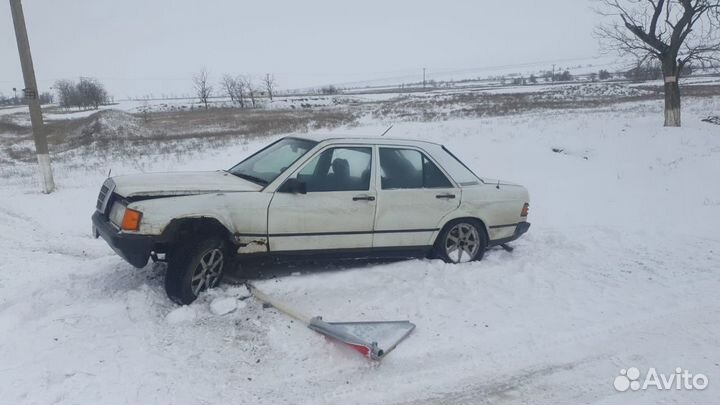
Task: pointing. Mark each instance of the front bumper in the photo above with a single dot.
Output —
(135, 249)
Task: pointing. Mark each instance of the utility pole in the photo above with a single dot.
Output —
(553, 73)
(423, 78)
(31, 95)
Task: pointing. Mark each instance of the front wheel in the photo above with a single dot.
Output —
(461, 241)
(195, 267)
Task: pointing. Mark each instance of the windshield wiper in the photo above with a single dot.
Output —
(248, 177)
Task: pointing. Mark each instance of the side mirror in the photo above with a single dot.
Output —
(294, 186)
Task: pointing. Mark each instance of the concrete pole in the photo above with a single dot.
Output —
(32, 97)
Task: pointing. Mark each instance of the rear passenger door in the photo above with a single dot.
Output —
(413, 195)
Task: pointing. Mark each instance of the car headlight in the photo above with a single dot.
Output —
(117, 212)
(125, 218)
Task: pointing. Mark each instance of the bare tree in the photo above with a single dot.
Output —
(240, 91)
(329, 90)
(675, 32)
(249, 86)
(203, 89)
(92, 93)
(66, 93)
(229, 84)
(269, 83)
(235, 88)
(88, 93)
(46, 97)
(604, 74)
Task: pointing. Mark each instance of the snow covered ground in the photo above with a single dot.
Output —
(619, 269)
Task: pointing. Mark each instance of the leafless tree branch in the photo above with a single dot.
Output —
(203, 89)
(675, 32)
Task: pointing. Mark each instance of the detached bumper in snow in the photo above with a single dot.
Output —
(135, 249)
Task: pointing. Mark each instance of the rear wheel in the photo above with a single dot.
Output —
(461, 241)
(195, 267)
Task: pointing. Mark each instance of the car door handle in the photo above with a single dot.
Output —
(446, 196)
(364, 198)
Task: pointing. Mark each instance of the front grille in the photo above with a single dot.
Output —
(105, 192)
(102, 197)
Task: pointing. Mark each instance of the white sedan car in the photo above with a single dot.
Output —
(339, 197)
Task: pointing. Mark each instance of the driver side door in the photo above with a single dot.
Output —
(336, 211)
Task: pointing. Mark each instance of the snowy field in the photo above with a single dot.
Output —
(620, 269)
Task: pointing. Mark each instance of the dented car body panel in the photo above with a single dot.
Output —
(496, 205)
(339, 194)
(180, 183)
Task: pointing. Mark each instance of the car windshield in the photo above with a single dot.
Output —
(266, 165)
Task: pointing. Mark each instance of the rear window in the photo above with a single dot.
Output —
(457, 169)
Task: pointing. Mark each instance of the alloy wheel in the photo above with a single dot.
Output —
(462, 243)
(208, 271)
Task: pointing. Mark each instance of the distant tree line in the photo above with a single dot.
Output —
(329, 90)
(651, 70)
(647, 71)
(85, 94)
(241, 89)
(45, 97)
(564, 76)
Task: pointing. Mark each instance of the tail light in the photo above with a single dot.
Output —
(525, 210)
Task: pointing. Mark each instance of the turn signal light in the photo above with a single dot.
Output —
(131, 220)
(525, 210)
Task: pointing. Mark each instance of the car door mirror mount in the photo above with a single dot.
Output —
(294, 186)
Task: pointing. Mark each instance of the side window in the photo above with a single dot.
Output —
(433, 177)
(338, 169)
(400, 168)
(409, 169)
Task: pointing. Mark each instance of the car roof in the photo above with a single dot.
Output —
(371, 140)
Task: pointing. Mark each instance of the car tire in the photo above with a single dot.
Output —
(195, 266)
(461, 241)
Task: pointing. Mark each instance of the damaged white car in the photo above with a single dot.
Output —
(339, 197)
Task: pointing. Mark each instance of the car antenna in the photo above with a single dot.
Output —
(387, 130)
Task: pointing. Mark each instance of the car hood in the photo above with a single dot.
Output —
(180, 183)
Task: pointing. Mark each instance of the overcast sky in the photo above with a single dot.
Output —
(139, 47)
